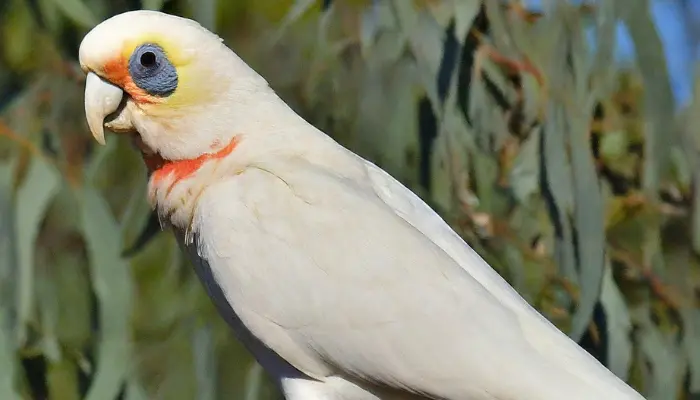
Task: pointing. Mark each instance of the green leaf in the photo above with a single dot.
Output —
(659, 102)
(525, 174)
(613, 145)
(464, 13)
(62, 380)
(47, 297)
(589, 224)
(558, 175)
(134, 391)
(441, 188)
(111, 280)
(39, 187)
(298, 8)
(204, 362)
(254, 382)
(425, 38)
(376, 23)
(98, 158)
(156, 5)
(78, 12)
(204, 12)
(691, 338)
(619, 326)
(663, 380)
(8, 258)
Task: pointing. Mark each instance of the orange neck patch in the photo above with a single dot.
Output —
(182, 169)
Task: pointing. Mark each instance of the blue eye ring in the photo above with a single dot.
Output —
(152, 71)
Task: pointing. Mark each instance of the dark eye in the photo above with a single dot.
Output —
(148, 59)
(152, 71)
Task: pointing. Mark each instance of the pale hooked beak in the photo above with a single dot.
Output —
(101, 99)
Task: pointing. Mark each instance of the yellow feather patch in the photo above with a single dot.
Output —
(188, 90)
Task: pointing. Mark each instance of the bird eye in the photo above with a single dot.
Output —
(148, 59)
(152, 71)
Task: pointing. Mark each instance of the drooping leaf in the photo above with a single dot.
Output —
(464, 14)
(619, 326)
(691, 319)
(524, 176)
(425, 38)
(668, 364)
(298, 8)
(135, 391)
(588, 217)
(111, 280)
(253, 382)
(33, 197)
(8, 258)
(204, 362)
(152, 4)
(78, 11)
(659, 100)
(204, 12)
(62, 380)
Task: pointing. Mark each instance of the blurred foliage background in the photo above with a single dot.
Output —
(575, 177)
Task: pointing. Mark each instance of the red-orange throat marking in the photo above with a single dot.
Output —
(182, 169)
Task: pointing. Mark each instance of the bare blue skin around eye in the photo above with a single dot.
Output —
(159, 78)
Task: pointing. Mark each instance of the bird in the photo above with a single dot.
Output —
(338, 279)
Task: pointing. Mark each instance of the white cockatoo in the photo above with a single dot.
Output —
(339, 280)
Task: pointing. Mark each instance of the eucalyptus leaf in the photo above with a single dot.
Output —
(525, 174)
(465, 11)
(619, 326)
(425, 37)
(659, 100)
(204, 12)
(78, 11)
(111, 281)
(152, 4)
(691, 319)
(33, 198)
(205, 362)
(667, 360)
(8, 360)
(253, 382)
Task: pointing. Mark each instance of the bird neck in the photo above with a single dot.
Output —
(174, 186)
(178, 170)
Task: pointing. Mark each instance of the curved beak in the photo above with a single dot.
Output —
(101, 99)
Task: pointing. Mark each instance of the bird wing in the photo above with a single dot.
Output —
(358, 277)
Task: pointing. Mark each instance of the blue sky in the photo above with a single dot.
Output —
(670, 17)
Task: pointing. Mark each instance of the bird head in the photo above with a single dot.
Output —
(168, 80)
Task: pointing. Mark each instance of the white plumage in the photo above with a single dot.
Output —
(342, 282)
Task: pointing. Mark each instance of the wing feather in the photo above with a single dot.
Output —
(359, 278)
